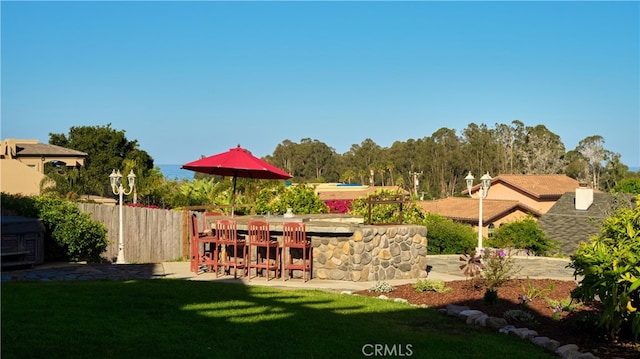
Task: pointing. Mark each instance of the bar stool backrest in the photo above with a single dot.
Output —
(258, 231)
(226, 230)
(294, 234)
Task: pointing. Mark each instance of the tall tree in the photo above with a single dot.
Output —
(543, 151)
(364, 157)
(613, 172)
(319, 161)
(509, 139)
(592, 149)
(106, 150)
(284, 156)
(446, 162)
(479, 148)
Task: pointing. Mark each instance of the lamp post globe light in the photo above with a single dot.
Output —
(485, 183)
(118, 189)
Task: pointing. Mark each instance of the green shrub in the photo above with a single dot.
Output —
(428, 285)
(381, 287)
(523, 234)
(18, 205)
(448, 237)
(302, 199)
(499, 267)
(386, 213)
(81, 237)
(610, 270)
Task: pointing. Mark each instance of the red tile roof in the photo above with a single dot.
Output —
(466, 209)
(550, 186)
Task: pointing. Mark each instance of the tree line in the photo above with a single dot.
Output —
(440, 162)
(430, 167)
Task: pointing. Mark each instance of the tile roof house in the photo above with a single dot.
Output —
(538, 192)
(466, 210)
(22, 164)
(510, 197)
(577, 216)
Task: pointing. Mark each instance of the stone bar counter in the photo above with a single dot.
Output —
(346, 249)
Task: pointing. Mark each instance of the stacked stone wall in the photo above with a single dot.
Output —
(372, 253)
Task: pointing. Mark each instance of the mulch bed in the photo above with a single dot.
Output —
(576, 327)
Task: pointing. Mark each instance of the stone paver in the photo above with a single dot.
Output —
(444, 267)
(529, 266)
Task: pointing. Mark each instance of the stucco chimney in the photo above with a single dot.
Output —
(584, 197)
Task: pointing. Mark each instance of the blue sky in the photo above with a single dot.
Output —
(196, 78)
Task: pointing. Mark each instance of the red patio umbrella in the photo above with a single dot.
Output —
(237, 162)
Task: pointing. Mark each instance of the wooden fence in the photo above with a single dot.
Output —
(149, 235)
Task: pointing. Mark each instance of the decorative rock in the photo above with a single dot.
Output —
(506, 329)
(454, 310)
(382, 296)
(540, 341)
(566, 350)
(482, 320)
(552, 345)
(400, 300)
(469, 316)
(495, 323)
(587, 355)
(525, 333)
(347, 292)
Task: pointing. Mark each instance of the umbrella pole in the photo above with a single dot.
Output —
(233, 196)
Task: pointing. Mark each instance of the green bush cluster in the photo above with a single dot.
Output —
(82, 237)
(428, 285)
(611, 273)
(381, 287)
(448, 237)
(73, 232)
(302, 199)
(523, 234)
(499, 267)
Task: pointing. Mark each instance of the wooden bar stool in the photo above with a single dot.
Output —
(204, 247)
(295, 244)
(232, 250)
(267, 250)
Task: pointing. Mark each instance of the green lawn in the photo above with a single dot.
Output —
(164, 318)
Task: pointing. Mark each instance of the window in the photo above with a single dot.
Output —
(491, 229)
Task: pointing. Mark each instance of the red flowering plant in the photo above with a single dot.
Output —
(338, 206)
